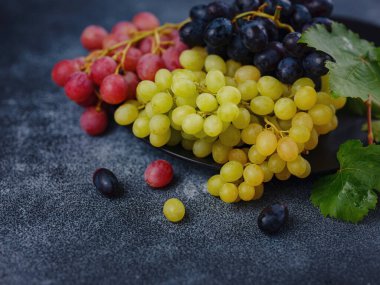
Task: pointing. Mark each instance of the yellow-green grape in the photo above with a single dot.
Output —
(192, 60)
(201, 50)
(159, 124)
(200, 135)
(246, 192)
(305, 98)
(285, 109)
(283, 175)
(285, 125)
(192, 124)
(262, 105)
(287, 149)
(183, 74)
(243, 119)
(226, 125)
(321, 114)
(175, 138)
(202, 148)
(172, 124)
(247, 72)
(159, 140)
(180, 113)
(184, 88)
(266, 142)
(248, 90)
(230, 81)
(207, 102)
(213, 126)
(301, 147)
(230, 137)
(324, 129)
(238, 155)
(276, 164)
(146, 90)
(302, 82)
(339, 102)
(254, 156)
(253, 175)
(162, 103)
(250, 133)
(228, 193)
(232, 66)
(220, 152)
(163, 79)
(231, 171)
(324, 98)
(268, 174)
(228, 94)
(187, 144)
(174, 210)
(215, 80)
(313, 141)
(307, 171)
(141, 127)
(126, 114)
(149, 110)
(270, 87)
(300, 134)
(190, 101)
(334, 123)
(297, 167)
(200, 76)
(228, 112)
(215, 62)
(214, 184)
(143, 114)
(259, 192)
(303, 119)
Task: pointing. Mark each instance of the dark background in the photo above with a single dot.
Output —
(55, 229)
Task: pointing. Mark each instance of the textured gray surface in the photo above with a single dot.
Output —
(55, 229)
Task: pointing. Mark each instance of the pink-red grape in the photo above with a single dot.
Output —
(146, 45)
(114, 89)
(145, 21)
(79, 87)
(63, 70)
(124, 28)
(171, 58)
(94, 122)
(132, 81)
(101, 68)
(148, 65)
(132, 58)
(159, 173)
(92, 37)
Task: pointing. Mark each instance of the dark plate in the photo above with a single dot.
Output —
(323, 158)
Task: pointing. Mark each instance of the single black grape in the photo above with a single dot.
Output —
(267, 60)
(255, 38)
(106, 182)
(314, 64)
(220, 50)
(192, 33)
(319, 20)
(273, 218)
(246, 5)
(269, 26)
(319, 8)
(199, 13)
(219, 9)
(293, 47)
(279, 47)
(300, 17)
(218, 32)
(238, 51)
(289, 70)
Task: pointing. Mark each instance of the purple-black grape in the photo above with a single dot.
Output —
(192, 33)
(287, 7)
(199, 13)
(267, 24)
(301, 16)
(279, 47)
(273, 218)
(289, 70)
(106, 182)
(314, 64)
(218, 32)
(293, 47)
(267, 60)
(219, 9)
(255, 38)
(319, 8)
(237, 51)
(246, 5)
(319, 20)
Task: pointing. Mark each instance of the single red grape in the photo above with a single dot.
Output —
(132, 58)
(158, 174)
(92, 37)
(171, 58)
(114, 89)
(148, 65)
(79, 87)
(146, 44)
(132, 81)
(145, 21)
(124, 28)
(101, 68)
(94, 122)
(63, 70)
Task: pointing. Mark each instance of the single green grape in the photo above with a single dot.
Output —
(215, 80)
(300, 134)
(213, 126)
(184, 88)
(250, 133)
(228, 193)
(159, 140)
(192, 60)
(162, 102)
(141, 127)
(287, 149)
(305, 98)
(243, 119)
(159, 124)
(228, 112)
(126, 114)
(276, 164)
(246, 191)
(228, 94)
(146, 90)
(285, 109)
(262, 105)
(268, 174)
(220, 152)
(266, 142)
(215, 62)
(321, 114)
(231, 136)
(192, 124)
(180, 113)
(298, 166)
(253, 175)
(248, 90)
(163, 79)
(247, 72)
(231, 171)
(304, 81)
(254, 156)
(232, 66)
(303, 119)
(174, 210)
(214, 184)
(270, 87)
(207, 102)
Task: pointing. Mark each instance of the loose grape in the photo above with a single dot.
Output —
(266, 142)
(192, 60)
(146, 90)
(232, 66)
(246, 191)
(301, 83)
(228, 112)
(247, 72)
(243, 119)
(283, 175)
(174, 210)
(214, 184)
(207, 102)
(228, 94)
(215, 80)
(303, 119)
(213, 126)
(259, 191)
(273, 218)
(250, 133)
(192, 124)
(268, 174)
(297, 167)
(215, 62)
(300, 134)
(159, 173)
(262, 105)
(254, 156)
(238, 155)
(229, 193)
(248, 90)
(231, 136)
(162, 103)
(231, 171)
(141, 127)
(159, 140)
(163, 79)
(270, 87)
(253, 175)
(180, 113)
(106, 182)
(126, 114)
(305, 98)
(321, 114)
(287, 149)
(285, 109)
(276, 164)
(220, 152)
(184, 88)
(313, 141)
(202, 148)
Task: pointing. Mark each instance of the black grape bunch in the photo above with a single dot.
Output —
(262, 33)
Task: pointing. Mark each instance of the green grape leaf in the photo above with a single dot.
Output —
(349, 194)
(356, 70)
(375, 129)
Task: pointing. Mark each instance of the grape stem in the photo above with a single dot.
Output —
(272, 126)
(369, 120)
